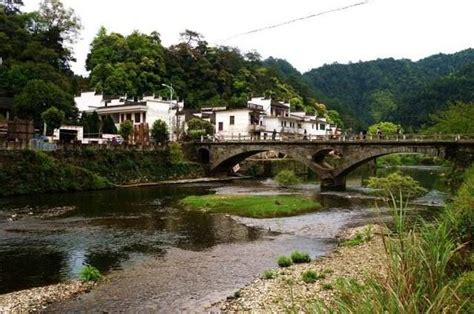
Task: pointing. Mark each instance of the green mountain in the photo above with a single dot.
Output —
(389, 89)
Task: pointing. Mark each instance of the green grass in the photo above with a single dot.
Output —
(284, 261)
(311, 276)
(256, 206)
(300, 257)
(90, 273)
(269, 274)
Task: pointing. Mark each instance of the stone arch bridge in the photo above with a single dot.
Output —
(220, 157)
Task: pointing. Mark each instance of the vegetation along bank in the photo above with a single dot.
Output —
(426, 267)
(25, 172)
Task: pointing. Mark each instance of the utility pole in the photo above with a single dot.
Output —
(170, 87)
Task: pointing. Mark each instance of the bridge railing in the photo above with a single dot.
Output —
(342, 138)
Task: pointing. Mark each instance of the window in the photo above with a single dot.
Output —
(232, 120)
(129, 116)
(322, 127)
(312, 126)
(221, 126)
(282, 124)
(137, 117)
(144, 117)
(299, 125)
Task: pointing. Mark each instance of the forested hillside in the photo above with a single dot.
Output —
(398, 90)
(36, 53)
(201, 74)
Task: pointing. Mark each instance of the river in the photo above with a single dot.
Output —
(159, 256)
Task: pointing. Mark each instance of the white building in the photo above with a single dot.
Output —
(262, 119)
(146, 110)
(245, 123)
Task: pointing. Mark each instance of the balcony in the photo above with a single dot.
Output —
(256, 128)
(255, 107)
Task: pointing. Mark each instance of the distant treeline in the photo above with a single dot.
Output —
(36, 57)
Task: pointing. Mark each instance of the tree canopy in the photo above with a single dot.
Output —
(403, 91)
(35, 59)
(455, 119)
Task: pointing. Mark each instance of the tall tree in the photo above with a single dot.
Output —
(35, 61)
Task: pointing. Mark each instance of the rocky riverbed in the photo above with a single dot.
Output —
(288, 292)
(37, 299)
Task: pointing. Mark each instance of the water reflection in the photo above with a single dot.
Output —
(111, 229)
(105, 229)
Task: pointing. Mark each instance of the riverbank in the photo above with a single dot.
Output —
(288, 292)
(37, 299)
(30, 172)
(285, 292)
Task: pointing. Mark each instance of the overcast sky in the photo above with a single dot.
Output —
(381, 28)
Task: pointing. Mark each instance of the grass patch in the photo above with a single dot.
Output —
(284, 261)
(300, 257)
(256, 206)
(90, 273)
(311, 276)
(360, 237)
(269, 274)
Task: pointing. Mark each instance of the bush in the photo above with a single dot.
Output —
(269, 274)
(126, 129)
(176, 153)
(359, 237)
(420, 270)
(387, 128)
(196, 134)
(159, 131)
(196, 124)
(284, 261)
(90, 273)
(286, 178)
(298, 257)
(396, 184)
(310, 276)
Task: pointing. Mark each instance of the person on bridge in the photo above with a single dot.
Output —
(379, 133)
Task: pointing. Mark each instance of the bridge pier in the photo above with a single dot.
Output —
(333, 184)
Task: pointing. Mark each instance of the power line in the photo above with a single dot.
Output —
(297, 20)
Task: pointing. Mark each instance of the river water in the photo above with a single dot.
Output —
(160, 256)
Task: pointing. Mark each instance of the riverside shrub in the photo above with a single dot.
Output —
(90, 273)
(286, 178)
(422, 273)
(284, 261)
(310, 276)
(298, 257)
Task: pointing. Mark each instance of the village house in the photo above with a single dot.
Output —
(264, 118)
(139, 111)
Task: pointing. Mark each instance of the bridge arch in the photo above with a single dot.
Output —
(351, 154)
(203, 155)
(223, 162)
(356, 160)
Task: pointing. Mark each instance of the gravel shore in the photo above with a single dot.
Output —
(36, 299)
(287, 291)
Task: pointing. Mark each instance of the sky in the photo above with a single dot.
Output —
(411, 29)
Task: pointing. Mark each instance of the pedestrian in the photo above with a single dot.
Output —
(274, 134)
(379, 133)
